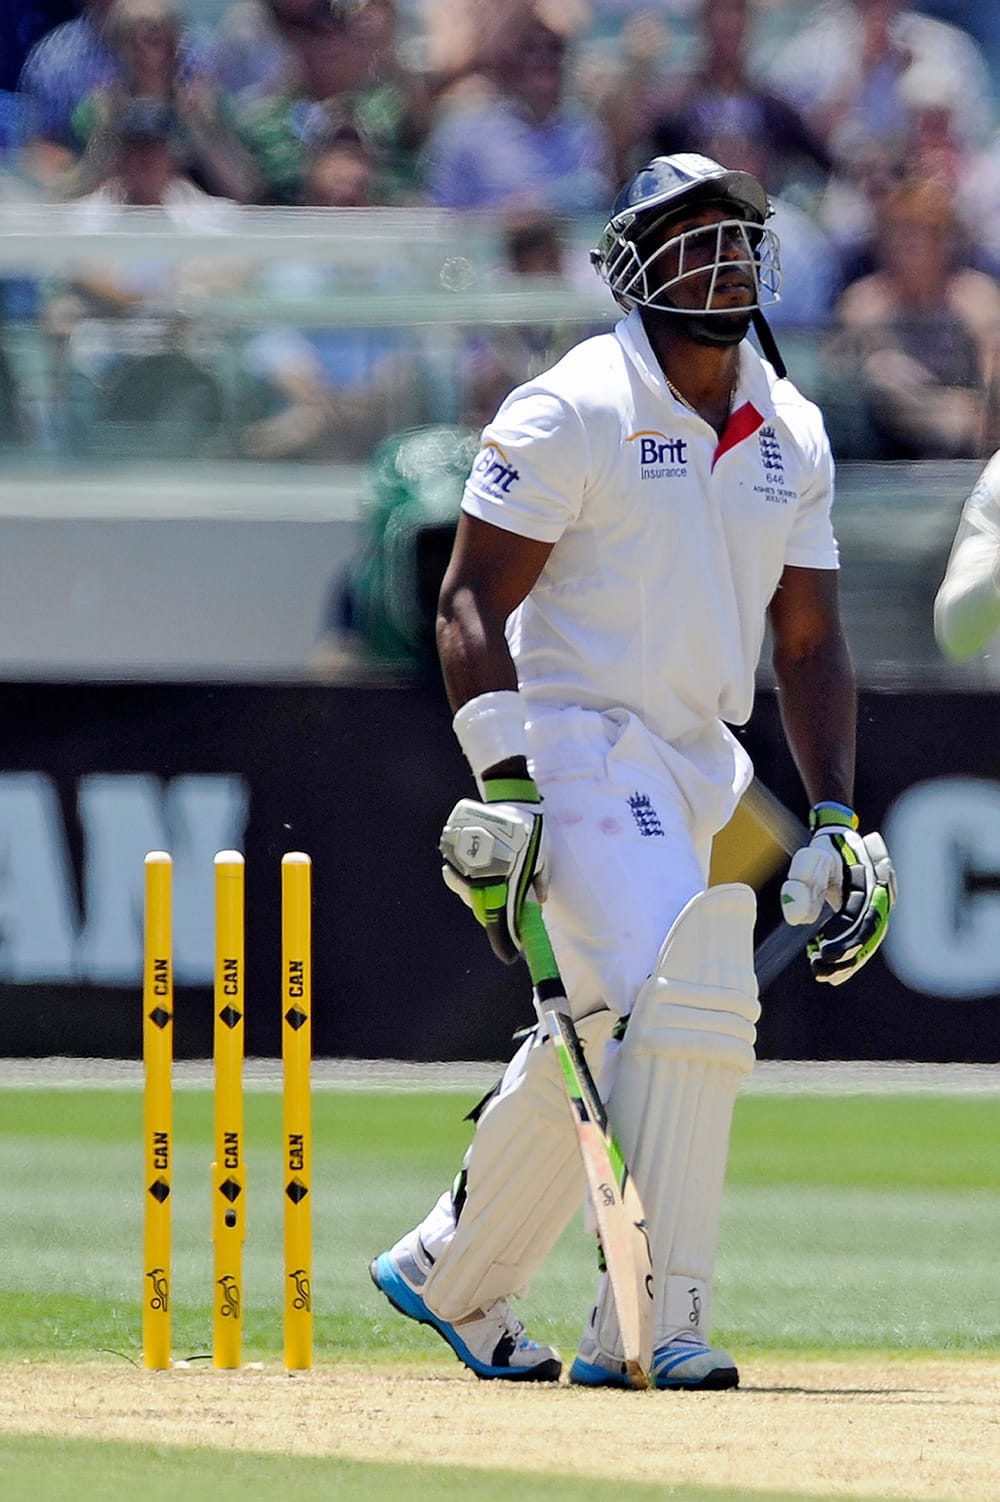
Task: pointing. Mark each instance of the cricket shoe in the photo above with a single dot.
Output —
(490, 1342)
(684, 1362)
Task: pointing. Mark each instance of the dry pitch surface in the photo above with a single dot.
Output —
(916, 1429)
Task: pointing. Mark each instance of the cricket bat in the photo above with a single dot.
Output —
(621, 1220)
(785, 943)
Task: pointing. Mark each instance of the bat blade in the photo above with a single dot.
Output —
(621, 1221)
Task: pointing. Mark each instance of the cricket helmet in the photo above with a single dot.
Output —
(644, 267)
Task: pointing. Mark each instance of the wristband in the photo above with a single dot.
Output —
(490, 729)
(511, 790)
(823, 814)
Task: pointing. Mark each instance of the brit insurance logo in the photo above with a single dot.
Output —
(493, 473)
(660, 457)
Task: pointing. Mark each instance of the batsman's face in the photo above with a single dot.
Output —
(707, 261)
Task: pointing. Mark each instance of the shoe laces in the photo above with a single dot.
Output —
(512, 1327)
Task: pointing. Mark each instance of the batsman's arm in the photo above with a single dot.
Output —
(817, 696)
(488, 575)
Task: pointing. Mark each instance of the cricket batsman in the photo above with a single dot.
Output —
(635, 519)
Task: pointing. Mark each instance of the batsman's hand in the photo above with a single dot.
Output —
(495, 853)
(851, 874)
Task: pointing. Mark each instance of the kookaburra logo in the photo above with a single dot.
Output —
(694, 1318)
(229, 1301)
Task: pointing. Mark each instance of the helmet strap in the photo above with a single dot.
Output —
(768, 343)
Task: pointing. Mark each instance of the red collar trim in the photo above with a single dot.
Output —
(744, 421)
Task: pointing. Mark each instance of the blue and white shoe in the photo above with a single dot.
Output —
(684, 1362)
(490, 1342)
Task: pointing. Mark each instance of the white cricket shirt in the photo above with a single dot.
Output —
(669, 540)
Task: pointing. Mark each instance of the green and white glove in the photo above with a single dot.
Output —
(852, 875)
(495, 853)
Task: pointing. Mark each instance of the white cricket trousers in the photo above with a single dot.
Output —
(630, 823)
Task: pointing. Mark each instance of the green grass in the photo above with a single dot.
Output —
(861, 1222)
(37, 1468)
(857, 1224)
(850, 1223)
(924, 1142)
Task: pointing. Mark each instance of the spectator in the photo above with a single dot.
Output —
(720, 97)
(292, 65)
(341, 171)
(502, 356)
(936, 148)
(934, 145)
(391, 104)
(127, 367)
(22, 24)
(977, 17)
(624, 77)
(918, 339)
(64, 67)
(844, 68)
(849, 208)
(979, 202)
(60, 69)
(259, 45)
(522, 143)
(459, 37)
(145, 38)
(332, 392)
(282, 121)
(143, 170)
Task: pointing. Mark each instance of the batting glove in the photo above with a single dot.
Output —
(852, 875)
(495, 852)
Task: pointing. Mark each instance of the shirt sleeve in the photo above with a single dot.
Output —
(812, 543)
(967, 605)
(531, 471)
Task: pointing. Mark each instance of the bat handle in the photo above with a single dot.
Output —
(538, 952)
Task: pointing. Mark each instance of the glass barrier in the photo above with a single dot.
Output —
(262, 360)
(215, 333)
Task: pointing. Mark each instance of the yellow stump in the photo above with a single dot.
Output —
(228, 1171)
(296, 1051)
(157, 1053)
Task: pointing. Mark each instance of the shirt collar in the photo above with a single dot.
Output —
(752, 386)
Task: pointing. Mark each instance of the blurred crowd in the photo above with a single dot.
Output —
(874, 124)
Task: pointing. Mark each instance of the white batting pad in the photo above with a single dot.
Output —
(525, 1179)
(689, 1042)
